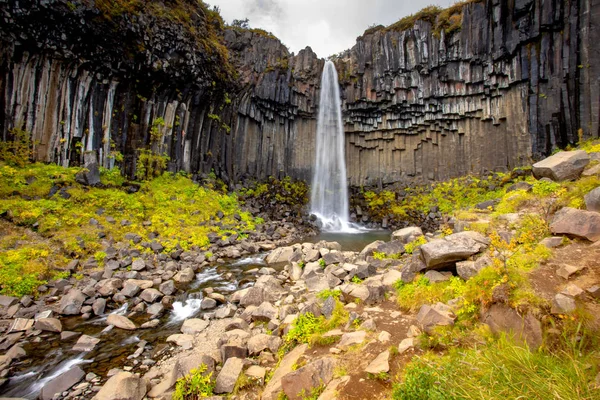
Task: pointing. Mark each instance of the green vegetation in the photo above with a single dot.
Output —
(314, 393)
(500, 369)
(292, 194)
(325, 294)
(309, 329)
(449, 196)
(197, 384)
(17, 151)
(173, 206)
(448, 20)
(412, 246)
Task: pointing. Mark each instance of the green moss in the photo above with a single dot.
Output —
(178, 209)
(412, 246)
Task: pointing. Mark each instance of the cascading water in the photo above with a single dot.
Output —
(329, 192)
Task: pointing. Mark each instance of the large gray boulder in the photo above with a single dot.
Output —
(62, 383)
(441, 253)
(90, 174)
(304, 380)
(280, 255)
(562, 166)
(592, 200)
(579, 223)
(502, 318)
(123, 386)
(407, 235)
(48, 325)
(286, 366)
(229, 375)
(72, 302)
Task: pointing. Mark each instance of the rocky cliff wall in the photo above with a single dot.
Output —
(519, 79)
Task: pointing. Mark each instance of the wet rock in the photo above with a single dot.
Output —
(21, 325)
(72, 302)
(565, 165)
(307, 378)
(578, 223)
(440, 253)
(407, 235)
(86, 343)
(151, 295)
(208, 304)
(62, 383)
(380, 364)
(502, 318)
(121, 322)
(123, 386)
(274, 387)
(229, 375)
(193, 326)
(49, 325)
(185, 276)
(436, 315)
(150, 324)
(68, 335)
(155, 310)
(98, 306)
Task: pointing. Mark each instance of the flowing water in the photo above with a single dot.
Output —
(52, 357)
(329, 192)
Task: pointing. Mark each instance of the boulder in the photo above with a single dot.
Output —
(552, 242)
(395, 247)
(229, 375)
(265, 312)
(406, 344)
(300, 383)
(61, 383)
(182, 340)
(123, 386)
(48, 325)
(468, 269)
(566, 271)
(350, 338)
(578, 223)
(72, 302)
(380, 364)
(86, 343)
(437, 315)
(260, 342)
(98, 306)
(407, 235)
(182, 367)
(592, 200)
(370, 249)
(109, 287)
(274, 387)
(317, 283)
(564, 165)
(7, 301)
(184, 276)
(435, 276)
(280, 255)
(167, 288)
(89, 175)
(441, 253)
(502, 318)
(563, 304)
(151, 295)
(333, 257)
(193, 326)
(121, 322)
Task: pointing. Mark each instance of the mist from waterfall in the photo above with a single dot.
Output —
(329, 192)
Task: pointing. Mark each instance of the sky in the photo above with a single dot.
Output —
(327, 26)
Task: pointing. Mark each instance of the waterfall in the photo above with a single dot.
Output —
(329, 192)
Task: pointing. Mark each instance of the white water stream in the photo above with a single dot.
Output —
(329, 192)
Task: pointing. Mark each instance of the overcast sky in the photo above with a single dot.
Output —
(328, 26)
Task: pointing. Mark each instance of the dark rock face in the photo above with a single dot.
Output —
(514, 82)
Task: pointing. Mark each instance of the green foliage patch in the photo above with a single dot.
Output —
(197, 384)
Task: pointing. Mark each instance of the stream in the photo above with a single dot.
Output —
(49, 356)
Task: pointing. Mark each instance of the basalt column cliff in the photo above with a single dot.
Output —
(484, 86)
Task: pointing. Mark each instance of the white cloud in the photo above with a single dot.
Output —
(327, 26)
